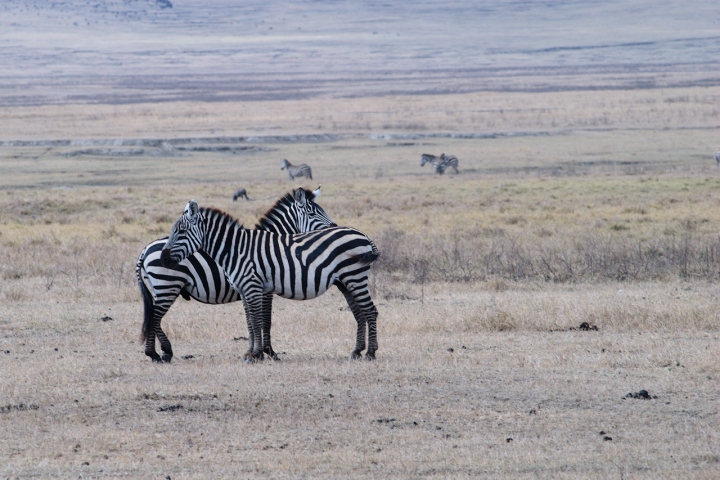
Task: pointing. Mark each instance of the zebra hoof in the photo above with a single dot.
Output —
(356, 356)
(154, 357)
(166, 358)
(370, 356)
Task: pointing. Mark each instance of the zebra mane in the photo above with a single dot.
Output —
(210, 212)
(283, 203)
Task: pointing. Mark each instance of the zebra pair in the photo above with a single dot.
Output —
(302, 170)
(201, 277)
(441, 163)
(259, 264)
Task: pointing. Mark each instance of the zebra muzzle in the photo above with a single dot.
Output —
(167, 260)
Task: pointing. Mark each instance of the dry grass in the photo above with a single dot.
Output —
(463, 366)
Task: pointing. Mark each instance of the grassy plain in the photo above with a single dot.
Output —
(473, 352)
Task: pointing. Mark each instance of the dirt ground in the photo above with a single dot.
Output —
(480, 378)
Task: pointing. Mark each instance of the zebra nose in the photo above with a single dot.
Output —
(166, 259)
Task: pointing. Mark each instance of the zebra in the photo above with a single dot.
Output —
(717, 158)
(259, 264)
(201, 278)
(449, 161)
(437, 163)
(241, 192)
(302, 170)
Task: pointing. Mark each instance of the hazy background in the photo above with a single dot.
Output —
(127, 51)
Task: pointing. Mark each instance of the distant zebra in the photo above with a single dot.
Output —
(717, 158)
(241, 192)
(449, 161)
(260, 264)
(302, 170)
(201, 278)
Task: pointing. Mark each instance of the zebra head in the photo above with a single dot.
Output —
(296, 212)
(284, 164)
(426, 158)
(186, 236)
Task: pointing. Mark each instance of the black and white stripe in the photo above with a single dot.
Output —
(302, 170)
(201, 278)
(260, 264)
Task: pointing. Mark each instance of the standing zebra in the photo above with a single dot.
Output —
(717, 158)
(449, 161)
(302, 170)
(201, 278)
(259, 264)
(240, 193)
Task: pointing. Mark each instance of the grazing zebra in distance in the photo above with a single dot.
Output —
(260, 264)
(441, 163)
(302, 170)
(201, 278)
(241, 192)
(449, 161)
(717, 158)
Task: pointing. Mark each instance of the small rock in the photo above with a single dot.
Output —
(451, 350)
(106, 318)
(602, 432)
(607, 439)
(508, 440)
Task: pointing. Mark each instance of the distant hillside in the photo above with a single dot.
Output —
(122, 51)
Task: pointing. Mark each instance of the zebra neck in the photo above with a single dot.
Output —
(225, 240)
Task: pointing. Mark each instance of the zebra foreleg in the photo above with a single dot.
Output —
(253, 314)
(359, 318)
(267, 325)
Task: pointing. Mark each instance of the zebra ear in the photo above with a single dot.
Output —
(299, 195)
(191, 211)
(316, 193)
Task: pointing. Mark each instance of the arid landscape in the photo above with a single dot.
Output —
(550, 311)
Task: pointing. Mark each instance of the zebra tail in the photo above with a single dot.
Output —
(148, 310)
(369, 257)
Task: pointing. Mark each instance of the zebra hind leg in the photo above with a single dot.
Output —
(148, 328)
(357, 312)
(164, 344)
